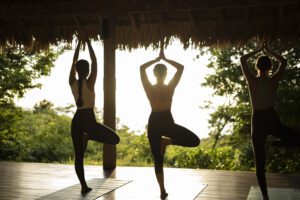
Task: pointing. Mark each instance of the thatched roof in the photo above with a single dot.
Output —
(144, 22)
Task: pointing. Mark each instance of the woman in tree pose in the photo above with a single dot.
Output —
(265, 121)
(161, 122)
(84, 125)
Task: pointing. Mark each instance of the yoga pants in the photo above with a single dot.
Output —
(162, 124)
(266, 122)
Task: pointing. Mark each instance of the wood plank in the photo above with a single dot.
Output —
(33, 180)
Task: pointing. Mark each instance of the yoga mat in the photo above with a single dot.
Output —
(275, 193)
(177, 189)
(181, 190)
(99, 186)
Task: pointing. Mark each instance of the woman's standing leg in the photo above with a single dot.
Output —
(154, 138)
(258, 142)
(260, 127)
(176, 134)
(79, 155)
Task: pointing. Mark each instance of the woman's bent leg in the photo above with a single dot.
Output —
(104, 134)
(182, 136)
(288, 136)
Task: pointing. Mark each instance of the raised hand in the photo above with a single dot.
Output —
(162, 53)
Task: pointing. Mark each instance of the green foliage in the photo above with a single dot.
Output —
(46, 136)
(283, 160)
(19, 67)
(43, 135)
(133, 150)
(223, 158)
(10, 146)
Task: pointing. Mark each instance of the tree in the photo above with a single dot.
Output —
(10, 147)
(43, 105)
(45, 135)
(19, 67)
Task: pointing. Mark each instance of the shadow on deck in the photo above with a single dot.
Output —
(33, 180)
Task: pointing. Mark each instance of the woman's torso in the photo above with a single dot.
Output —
(160, 97)
(88, 95)
(262, 92)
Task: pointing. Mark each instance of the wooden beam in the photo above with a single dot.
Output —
(109, 151)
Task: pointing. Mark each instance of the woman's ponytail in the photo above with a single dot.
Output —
(79, 101)
(82, 68)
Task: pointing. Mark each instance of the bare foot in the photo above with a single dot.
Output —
(163, 195)
(163, 145)
(85, 139)
(85, 190)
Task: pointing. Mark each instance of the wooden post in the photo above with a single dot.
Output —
(109, 84)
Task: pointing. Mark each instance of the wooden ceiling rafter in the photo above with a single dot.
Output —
(142, 22)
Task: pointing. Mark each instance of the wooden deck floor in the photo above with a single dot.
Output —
(33, 180)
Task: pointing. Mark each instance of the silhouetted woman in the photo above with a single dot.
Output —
(265, 120)
(161, 122)
(84, 126)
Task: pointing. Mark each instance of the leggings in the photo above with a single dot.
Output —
(84, 121)
(162, 124)
(266, 122)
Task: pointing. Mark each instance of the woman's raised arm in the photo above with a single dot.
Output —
(245, 68)
(93, 75)
(283, 62)
(145, 81)
(72, 76)
(179, 68)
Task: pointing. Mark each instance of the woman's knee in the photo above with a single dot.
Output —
(113, 138)
(196, 141)
(116, 139)
(110, 138)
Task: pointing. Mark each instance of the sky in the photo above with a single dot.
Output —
(132, 106)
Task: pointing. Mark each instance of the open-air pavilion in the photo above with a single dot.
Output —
(142, 23)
